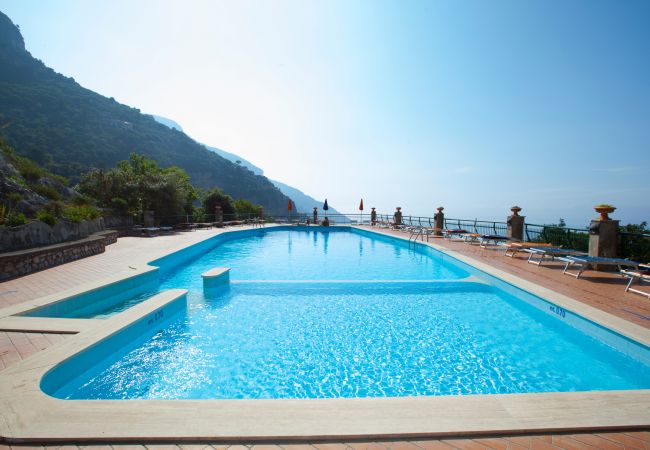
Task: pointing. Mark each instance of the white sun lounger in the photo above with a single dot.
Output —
(586, 262)
(550, 252)
(640, 275)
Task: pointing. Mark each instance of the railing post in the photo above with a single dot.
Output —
(218, 215)
(516, 224)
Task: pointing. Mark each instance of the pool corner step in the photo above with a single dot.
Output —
(215, 277)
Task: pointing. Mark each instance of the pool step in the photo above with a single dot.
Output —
(216, 277)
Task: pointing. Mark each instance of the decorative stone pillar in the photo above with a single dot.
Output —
(439, 221)
(603, 234)
(516, 224)
(218, 215)
(373, 217)
(397, 217)
(315, 215)
(148, 219)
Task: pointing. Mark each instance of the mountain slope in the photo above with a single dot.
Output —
(69, 129)
(234, 158)
(304, 203)
(169, 123)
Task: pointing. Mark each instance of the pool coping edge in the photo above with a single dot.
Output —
(29, 415)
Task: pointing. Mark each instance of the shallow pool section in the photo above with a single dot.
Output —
(279, 253)
(330, 340)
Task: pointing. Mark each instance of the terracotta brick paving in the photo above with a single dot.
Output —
(117, 258)
(636, 440)
(16, 346)
(600, 290)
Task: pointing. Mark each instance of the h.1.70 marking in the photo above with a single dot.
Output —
(557, 310)
(156, 317)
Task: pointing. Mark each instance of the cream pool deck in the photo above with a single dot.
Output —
(600, 295)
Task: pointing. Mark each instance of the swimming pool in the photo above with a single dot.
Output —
(282, 253)
(344, 313)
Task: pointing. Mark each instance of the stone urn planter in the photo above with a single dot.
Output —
(515, 210)
(604, 211)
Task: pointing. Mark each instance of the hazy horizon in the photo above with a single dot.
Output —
(475, 106)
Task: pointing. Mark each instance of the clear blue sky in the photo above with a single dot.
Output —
(474, 105)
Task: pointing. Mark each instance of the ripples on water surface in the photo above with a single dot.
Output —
(261, 341)
(340, 339)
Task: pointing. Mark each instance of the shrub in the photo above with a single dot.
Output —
(28, 169)
(46, 191)
(55, 208)
(198, 214)
(46, 217)
(18, 180)
(15, 220)
(82, 200)
(119, 204)
(79, 213)
(13, 198)
(61, 179)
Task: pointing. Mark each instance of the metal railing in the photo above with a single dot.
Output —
(242, 218)
(634, 246)
(573, 238)
(477, 226)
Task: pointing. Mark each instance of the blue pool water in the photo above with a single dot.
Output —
(324, 336)
(317, 255)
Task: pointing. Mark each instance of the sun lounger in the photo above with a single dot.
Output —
(149, 231)
(185, 226)
(586, 262)
(512, 248)
(640, 275)
(471, 237)
(487, 239)
(549, 252)
(454, 232)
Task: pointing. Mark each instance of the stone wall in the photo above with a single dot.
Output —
(118, 222)
(23, 262)
(37, 233)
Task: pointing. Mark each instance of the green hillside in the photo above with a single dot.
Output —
(69, 129)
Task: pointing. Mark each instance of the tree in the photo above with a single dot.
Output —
(216, 197)
(137, 185)
(246, 209)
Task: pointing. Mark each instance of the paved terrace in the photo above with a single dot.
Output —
(600, 290)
